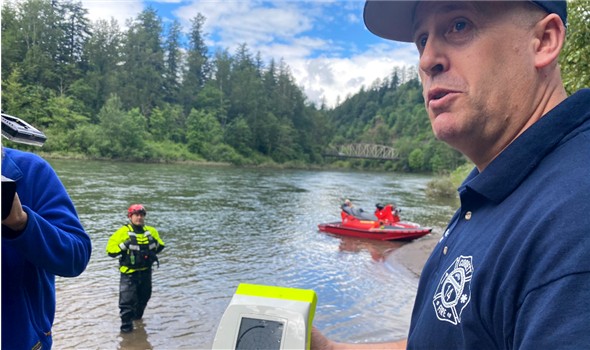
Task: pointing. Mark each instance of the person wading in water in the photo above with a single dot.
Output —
(137, 247)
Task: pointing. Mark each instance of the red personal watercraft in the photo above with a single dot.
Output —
(384, 224)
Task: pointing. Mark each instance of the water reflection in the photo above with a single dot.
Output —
(136, 340)
(376, 249)
(224, 226)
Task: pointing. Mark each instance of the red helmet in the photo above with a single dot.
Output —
(135, 209)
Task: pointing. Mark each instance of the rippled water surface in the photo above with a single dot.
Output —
(223, 226)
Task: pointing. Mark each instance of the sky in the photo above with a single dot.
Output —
(325, 43)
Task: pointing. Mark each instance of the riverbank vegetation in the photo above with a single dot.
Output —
(151, 92)
(446, 186)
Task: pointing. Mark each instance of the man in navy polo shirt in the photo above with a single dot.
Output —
(512, 270)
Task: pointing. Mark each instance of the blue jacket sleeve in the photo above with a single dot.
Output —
(54, 238)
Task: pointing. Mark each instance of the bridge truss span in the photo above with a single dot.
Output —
(364, 150)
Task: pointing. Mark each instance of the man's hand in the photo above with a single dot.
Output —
(319, 341)
(125, 245)
(18, 218)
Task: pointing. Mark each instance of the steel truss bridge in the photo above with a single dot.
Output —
(362, 150)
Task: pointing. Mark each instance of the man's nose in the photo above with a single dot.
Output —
(433, 59)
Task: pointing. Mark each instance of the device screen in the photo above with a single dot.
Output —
(259, 334)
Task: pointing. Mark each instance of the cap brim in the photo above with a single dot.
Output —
(390, 19)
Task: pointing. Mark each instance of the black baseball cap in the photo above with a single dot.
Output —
(393, 19)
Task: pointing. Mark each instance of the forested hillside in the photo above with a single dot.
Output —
(146, 94)
(102, 92)
(392, 113)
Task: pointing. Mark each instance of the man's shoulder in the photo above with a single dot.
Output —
(570, 160)
(151, 228)
(17, 164)
(122, 229)
(21, 156)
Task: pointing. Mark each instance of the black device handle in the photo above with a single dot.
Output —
(8, 191)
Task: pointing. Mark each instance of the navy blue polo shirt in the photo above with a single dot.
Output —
(512, 270)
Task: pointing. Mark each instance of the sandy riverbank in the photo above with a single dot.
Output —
(414, 254)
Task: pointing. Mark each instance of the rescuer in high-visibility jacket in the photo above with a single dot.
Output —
(137, 247)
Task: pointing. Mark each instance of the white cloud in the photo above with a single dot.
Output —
(321, 66)
(107, 9)
(353, 18)
(326, 68)
(250, 22)
(335, 78)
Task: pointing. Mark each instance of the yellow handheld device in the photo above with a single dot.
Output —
(267, 317)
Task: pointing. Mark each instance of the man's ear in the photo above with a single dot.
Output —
(549, 40)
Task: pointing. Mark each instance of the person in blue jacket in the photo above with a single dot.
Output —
(41, 237)
(512, 269)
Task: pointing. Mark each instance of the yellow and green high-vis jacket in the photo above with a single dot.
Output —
(136, 251)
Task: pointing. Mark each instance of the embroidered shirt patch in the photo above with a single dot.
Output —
(454, 290)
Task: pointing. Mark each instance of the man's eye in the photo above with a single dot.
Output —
(421, 42)
(459, 26)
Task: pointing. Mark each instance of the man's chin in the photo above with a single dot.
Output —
(450, 136)
(442, 127)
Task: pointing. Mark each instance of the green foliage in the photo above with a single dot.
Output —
(63, 113)
(27, 101)
(171, 151)
(197, 68)
(84, 139)
(122, 134)
(392, 113)
(441, 187)
(224, 153)
(143, 68)
(38, 39)
(460, 173)
(239, 136)
(103, 58)
(416, 159)
(109, 93)
(167, 123)
(203, 131)
(446, 186)
(142, 93)
(574, 61)
(173, 61)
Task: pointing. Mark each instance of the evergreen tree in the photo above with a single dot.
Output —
(173, 64)
(245, 85)
(197, 69)
(25, 101)
(59, 73)
(13, 48)
(143, 67)
(37, 41)
(222, 69)
(246, 94)
(75, 30)
(103, 59)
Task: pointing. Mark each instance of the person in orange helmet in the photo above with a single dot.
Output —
(136, 245)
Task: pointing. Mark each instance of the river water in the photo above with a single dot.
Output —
(223, 226)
